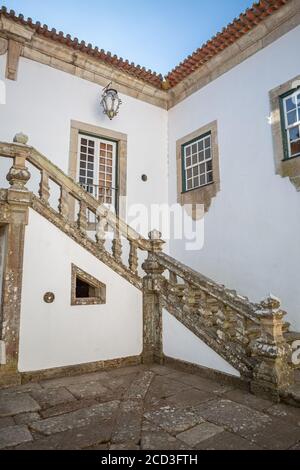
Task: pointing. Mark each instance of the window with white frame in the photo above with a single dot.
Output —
(97, 167)
(291, 120)
(197, 163)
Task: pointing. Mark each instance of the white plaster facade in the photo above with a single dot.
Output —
(251, 229)
(59, 334)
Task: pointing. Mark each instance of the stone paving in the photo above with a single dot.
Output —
(151, 408)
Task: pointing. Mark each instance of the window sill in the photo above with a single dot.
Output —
(198, 188)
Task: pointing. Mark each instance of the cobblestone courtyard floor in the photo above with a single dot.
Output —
(151, 408)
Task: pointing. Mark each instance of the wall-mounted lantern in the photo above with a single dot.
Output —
(110, 101)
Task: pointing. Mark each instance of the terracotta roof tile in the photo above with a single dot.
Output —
(240, 26)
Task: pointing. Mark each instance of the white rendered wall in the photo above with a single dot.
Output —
(181, 343)
(253, 225)
(42, 103)
(58, 334)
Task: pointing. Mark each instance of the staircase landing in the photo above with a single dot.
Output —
(151, 408)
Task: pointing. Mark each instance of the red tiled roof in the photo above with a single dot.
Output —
(239, 27)
(135, 70)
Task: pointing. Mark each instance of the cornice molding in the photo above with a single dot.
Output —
(58, 55)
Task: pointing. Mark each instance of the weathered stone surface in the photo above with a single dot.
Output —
(199, 433)
(245, 398)
(139, 387)
(14, 435)
(234, 416)
(124, 446)
(161, 440)
(226, 441)
(174, 420)
(129, 421)
(286, 413)
(89, 390)
(15, 404)
(163, 387)
(52, 397)
(77, 379)
(189, 397)
(257, 427)
(26, 418)
(26, 388)
(67, 407)
(86, 436)
(5, 422)
(171, 408)
(161, 370)
(200, 382)
(75, 419)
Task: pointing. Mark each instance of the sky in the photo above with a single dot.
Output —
(155, 34)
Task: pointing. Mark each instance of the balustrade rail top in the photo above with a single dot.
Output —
(190, 275)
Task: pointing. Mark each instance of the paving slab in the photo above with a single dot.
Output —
(226, 441)
(89, 390)
(74, 439)
(199, 433)
(5, 422)
(161, 440)
(53, 396)
(163, 387)
(17, 403)
(27, 418)
(248, 399)
(128, 422)
(75, 419)
(200, 383)
(140, 385)
(285, 412)
(76, 379)
(67, 407)
(14, 435)
(174, 420)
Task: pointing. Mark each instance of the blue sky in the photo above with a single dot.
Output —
(157, 34)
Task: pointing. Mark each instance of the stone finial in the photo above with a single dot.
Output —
(21, 138)
(154, 235)
(270, 307)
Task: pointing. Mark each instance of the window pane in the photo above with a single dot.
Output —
(294, 133)
(200, 145)
(196, 182)
(201, 156)
(295, 148)
(291, 103)
(207, 154)
(209, 166)
(194, 148)
(209, 177)
(188, 162)
(207, 142)
(196, 170)
(202, 168)
(194, 159)
(202, 180)
(189, 173)
(298, 99)
(291, 117)
(189, 184)
(188, 151)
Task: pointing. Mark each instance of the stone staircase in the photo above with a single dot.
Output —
(253, 338)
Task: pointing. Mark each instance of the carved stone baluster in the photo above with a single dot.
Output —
(172, 277)
(44, 190)
(117, 245)
(82, 218)
(273, 373)
(133, 258)
(18, 174)
(100, 232)
(64, 203)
